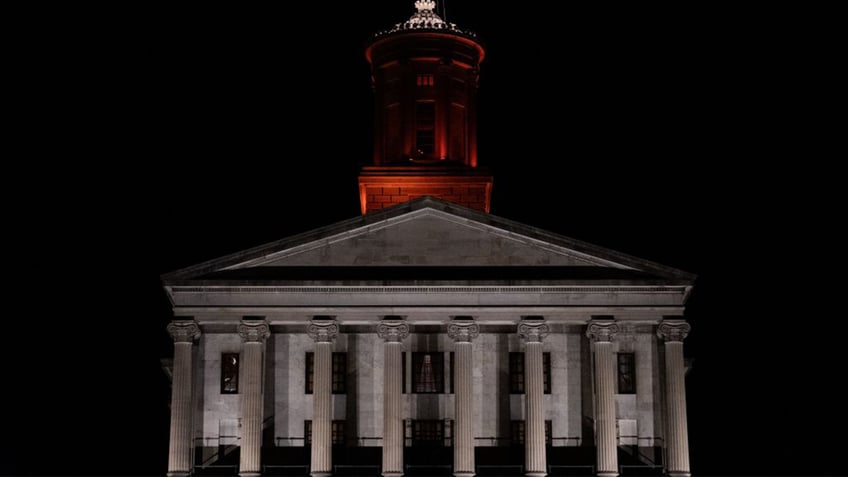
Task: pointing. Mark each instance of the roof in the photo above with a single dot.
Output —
(428, 241)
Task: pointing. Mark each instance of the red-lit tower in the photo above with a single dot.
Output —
(425, 73)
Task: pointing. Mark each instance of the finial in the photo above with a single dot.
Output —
(425, 5)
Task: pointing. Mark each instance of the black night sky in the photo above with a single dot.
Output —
(186, 134)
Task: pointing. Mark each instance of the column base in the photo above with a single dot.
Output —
(320, 474)
(608, 474)
(679, 474)
(250, 474)
(392, 474)
(177, 474)
(536, 474)
(463, 474)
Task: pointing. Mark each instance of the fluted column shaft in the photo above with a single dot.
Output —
(179, 447)
(674, 332)
(323, 332)
(253, 335)
(393, 332)
(535, 459)
(462, 333)
(602, 334)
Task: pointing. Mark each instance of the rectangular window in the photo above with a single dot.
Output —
(452, 378)
(626, 373)
(519, 432)
(425, 80)
(337, 430)
(339, 373)
(229, 373)
(403, 373)
(428, 371)
(517, 381)
(428, 433)
(425, 127)
(516, 373)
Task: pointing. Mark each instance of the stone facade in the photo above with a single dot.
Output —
(567, 299)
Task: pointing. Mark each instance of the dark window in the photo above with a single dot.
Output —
(310, 372)
(519, 432)
(452, 378)
(229, 373)
(428, 433)
(517, 380)
(337, 431)
(339, 372)
(428, 371)
(403, 372)
(516, 373)
(626, 373)
(425, 80)
(425, 128)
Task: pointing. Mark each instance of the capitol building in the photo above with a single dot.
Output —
(428, 337)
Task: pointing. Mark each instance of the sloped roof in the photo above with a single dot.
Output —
(427, 240)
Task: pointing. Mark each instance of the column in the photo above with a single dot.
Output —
(533, 331)
(462, 331)
(602, 333)
(253, 335)
(673, 332)
(324, 332)
(393, 332)
(179, 449)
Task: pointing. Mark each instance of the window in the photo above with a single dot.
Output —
(452, 379)
(519, 432)
(626, 373)
(428, 371)
(425, 80)
(425, 127)
(403, 373)
(428, 433)
(517, 381)
(229, 373)
(339, 372)
(337, 431)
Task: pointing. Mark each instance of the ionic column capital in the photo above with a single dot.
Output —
(533, 331)
(463, 331)
(183, 331)
(674, 330)
(323, 331)
(393, 331)
(254, 331)
(602, 331)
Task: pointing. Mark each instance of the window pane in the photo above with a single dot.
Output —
(428, 373)
(339, 373)
(626, 373)
(516, 373)
(517, 433)
(546, 372)
(229, 373)
(425, 127)
(310, 372)
(338, 433)
(428, 433)
(452, 378)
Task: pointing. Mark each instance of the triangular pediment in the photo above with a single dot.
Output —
(426, 238)
(420, 237)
